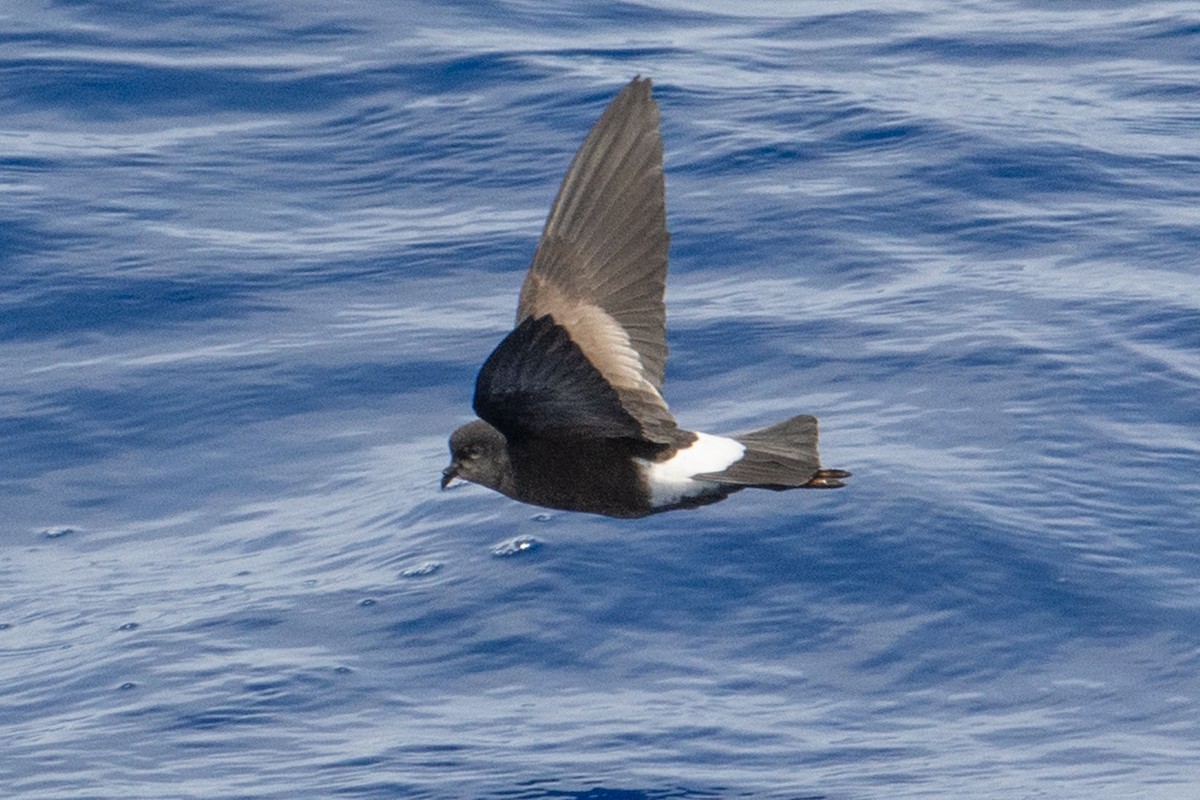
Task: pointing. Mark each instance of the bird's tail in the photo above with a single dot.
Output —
(783, 456)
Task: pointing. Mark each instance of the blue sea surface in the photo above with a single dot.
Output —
(252, 255)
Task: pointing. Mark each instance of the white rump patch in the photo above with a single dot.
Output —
(670, 481)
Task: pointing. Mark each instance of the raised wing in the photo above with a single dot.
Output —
(600, 267)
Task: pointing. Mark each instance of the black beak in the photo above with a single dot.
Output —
(449, 474)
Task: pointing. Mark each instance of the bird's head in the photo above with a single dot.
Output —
(479, 454)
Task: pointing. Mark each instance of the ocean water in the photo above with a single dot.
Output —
(252, 254)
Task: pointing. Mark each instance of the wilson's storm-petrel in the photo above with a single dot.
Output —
(570, 403)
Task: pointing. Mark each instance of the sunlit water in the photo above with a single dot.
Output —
(252, 255)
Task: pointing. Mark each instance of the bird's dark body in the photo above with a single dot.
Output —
(596, 476)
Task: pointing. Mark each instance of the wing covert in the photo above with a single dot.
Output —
(538, 383)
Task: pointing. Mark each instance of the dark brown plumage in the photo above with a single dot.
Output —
(570, 403)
